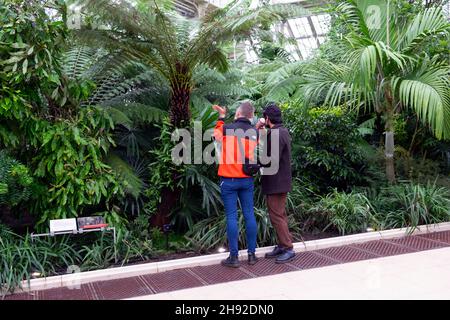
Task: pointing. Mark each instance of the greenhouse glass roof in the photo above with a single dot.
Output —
(309, 32)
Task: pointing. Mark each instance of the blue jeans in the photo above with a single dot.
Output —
(233, 189)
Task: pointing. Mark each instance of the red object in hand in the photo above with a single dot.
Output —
(95, 226)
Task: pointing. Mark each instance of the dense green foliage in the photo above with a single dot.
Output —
(15, 181)
(87, 116)
(62, 144)
(327, 145)
(70, 160)
(383, 67)
(412, 205)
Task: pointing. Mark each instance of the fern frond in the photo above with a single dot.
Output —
(133, 184)
(141, 113)
(77, 60)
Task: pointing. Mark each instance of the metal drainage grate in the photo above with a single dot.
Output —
(309, 260)
(219, 274)
(267, 267)
(417, 243)
(121, 288)
(443, 236)
(382, 248)
(33, 295)
(345, 254)
(83, 292)
(172, 280)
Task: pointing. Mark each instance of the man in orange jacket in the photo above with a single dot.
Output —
(239, 140)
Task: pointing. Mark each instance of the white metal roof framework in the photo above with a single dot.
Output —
(309, 32)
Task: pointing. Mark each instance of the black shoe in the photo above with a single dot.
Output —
(231, 261)
(287, 256)
(252, 259)
(277, 251)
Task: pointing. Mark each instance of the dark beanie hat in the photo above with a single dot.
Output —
(273, 113)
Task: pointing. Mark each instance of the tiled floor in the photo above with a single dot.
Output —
(395, 268)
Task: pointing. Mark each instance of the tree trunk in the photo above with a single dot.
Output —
(389, 155)
(169, 199)
(180, 117)
(389, 146)
(180, 114)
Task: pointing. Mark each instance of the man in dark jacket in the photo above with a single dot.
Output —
(276, 186)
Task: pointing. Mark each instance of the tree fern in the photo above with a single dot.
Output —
(175, 46)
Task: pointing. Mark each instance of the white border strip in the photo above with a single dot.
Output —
(76, 279)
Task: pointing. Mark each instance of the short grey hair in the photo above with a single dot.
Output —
(247, 110)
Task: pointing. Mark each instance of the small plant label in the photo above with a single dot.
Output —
(61, 225)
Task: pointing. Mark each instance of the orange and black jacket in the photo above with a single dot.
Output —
(236, 138)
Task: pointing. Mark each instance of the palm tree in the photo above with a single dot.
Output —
(176, 46)
(380, 63)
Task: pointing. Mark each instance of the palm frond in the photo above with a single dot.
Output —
(330, 83)
(119, 117)
(283, 90)
(426, 90)
(349, 11)
(203, 74)
(429, 22)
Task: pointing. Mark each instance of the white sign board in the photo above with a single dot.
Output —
(63, 225)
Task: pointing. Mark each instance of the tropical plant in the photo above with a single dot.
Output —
(62, 144)
(20, 257)
(210, 233)
(69, 161)
(328, 149)
(200, 197)
(175, 46)
(129, 90)
(347, 212)
(378, 65)
(15, 181)
(278, 81)
(5, 232)
(135, 98)
(411, 205)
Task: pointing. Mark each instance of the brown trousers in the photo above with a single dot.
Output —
(276, 203)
